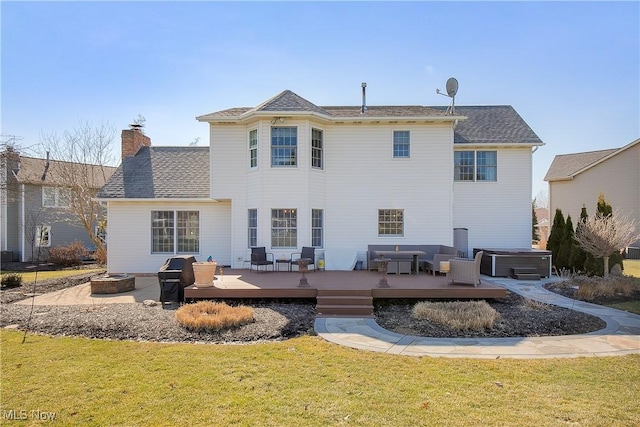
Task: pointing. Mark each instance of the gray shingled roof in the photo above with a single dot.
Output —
(161, 172)
(565, 165)
(484, 124)
(35, 171)
(493, 124)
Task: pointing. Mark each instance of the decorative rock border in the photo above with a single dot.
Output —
(113, 284)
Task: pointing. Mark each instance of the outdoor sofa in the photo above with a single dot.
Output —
(430, 261)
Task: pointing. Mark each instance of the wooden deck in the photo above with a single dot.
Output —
(249, 284)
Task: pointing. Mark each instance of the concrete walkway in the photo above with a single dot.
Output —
(621, 335)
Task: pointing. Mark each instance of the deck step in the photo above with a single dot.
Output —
(344, 292)
(345, 310)
(525, 273)
(344, 302)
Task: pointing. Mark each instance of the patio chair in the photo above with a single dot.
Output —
(307, 252)
(465, 270)
(259, 257)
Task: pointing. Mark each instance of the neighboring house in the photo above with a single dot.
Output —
(33, 204)
(288, 174)
(576, 180)
(542, 215)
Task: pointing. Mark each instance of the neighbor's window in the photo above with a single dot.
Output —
(401, 144)
(390, 222)
(317, 227)
(43, 236)
(316, 148)
(175, 232)
(55, 197)
(284, 146)
(253, 148)
(475, 166)
(284, 228)
(252, 219)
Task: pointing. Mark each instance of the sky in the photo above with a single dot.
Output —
(570, 69)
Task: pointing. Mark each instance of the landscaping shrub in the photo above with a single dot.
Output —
(212, 316)
(68, 256)
(590, 288)
(458, 315)
(535, 305)
(11, 280)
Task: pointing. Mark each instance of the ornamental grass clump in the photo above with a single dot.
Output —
(590, 288)
(458, 315)
(212, 316)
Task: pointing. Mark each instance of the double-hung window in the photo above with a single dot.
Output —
(390, 222)
(175, 232)
(253, 148)
(284, 228)
(55, 197)
(475, 166)
(401, 144)
(252, 227)
(317, 137)
(284, 146)
(317, 227)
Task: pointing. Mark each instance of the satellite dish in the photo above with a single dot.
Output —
(452, 87)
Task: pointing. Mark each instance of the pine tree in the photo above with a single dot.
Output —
(564, 251)
(555, 237)
(535, 235)
(578, 255)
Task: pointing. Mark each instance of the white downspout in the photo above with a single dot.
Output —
(22, 231)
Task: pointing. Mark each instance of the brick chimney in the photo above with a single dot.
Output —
(132, 140)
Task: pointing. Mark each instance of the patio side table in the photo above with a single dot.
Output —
(287, 262)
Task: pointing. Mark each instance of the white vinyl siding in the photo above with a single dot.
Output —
(497, 215)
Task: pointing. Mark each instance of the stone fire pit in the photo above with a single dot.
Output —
(113, 284)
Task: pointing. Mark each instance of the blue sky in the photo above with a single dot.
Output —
(571, 69)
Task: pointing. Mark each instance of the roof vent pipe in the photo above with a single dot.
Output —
(364, 98)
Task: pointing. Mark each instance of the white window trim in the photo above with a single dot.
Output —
(43, 230)
(393, 145)
(175, 231)
(297, 148)
(57, 196)
(321, 150)
(475, 167)
(257, 147)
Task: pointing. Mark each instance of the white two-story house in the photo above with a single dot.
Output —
(288, 174)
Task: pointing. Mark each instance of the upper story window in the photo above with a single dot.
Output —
(390, 222)
(284, 146)
(317, 139)
(253, 148)
(475, 166)
(175, 232)
(401, 144)
(55, 197)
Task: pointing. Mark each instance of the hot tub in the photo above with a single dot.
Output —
(501, 262)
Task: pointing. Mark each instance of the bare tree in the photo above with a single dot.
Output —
(603, 235)
(84, 155)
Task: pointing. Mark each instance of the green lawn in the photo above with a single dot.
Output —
(631, 267)
(306, 382)
(30, 276)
